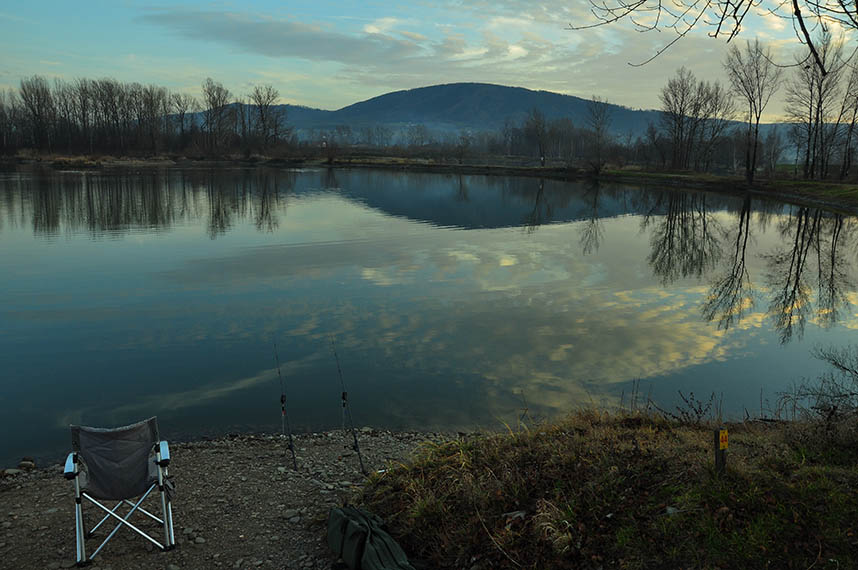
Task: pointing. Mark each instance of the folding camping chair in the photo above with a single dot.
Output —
(119, 465)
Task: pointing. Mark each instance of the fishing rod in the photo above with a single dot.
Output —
(347, 410)
(284, 417)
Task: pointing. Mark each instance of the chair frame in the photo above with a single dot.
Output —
(72, 472)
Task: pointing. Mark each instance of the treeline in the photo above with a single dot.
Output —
(703, 126)
(108, 116)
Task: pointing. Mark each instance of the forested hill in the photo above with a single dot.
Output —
(454, 106)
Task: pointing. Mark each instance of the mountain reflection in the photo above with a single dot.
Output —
(459, 292)
(691, 235)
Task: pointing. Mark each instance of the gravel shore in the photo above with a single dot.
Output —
(239, 504)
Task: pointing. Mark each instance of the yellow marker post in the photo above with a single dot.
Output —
(721, 442)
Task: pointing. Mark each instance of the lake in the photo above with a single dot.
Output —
(455, 302)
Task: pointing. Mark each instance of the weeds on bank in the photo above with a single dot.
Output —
(624, 490)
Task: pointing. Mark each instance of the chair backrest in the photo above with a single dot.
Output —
(117, 463)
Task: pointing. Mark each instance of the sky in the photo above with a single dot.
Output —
(329, 54)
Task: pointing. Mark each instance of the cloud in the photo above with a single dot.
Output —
(511, 43)
(283, 38)
(380, 26)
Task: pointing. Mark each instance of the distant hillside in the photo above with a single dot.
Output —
(457, 106)
(476, 106)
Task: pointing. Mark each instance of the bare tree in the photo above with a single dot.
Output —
(755, 79)
(598, 120)
(182, 104)
(677, 114)
(774, 148)
(267, 117)
(812, 108)
(723, 18)
(216, 98)
(10, 122)
(36, 96)
(850, 106)
(534, 127)
(65, 106)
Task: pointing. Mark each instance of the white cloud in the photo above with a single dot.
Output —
(380, 26)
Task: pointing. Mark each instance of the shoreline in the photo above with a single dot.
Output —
(627, 480)
(239, 503)
(841, 197)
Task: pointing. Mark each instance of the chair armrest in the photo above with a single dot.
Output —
(164, 453)
(70, 471)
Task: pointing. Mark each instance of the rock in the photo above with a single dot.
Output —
(290, 513)
(28, 465)
(54, 566)
(366, 429)
(11, 472)
(187, 530)
(295, 520)
(199, 540)
(238, 563)
(281, 469)
(6, 524)
(51, 511)
(67, 564)
(172, 567)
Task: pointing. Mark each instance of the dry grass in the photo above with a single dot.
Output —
(624, 491)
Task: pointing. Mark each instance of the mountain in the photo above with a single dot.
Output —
(456, 106)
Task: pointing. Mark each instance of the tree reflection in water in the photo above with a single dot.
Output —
(810, 265)
(116, 203)
(809, 235)
(593, 229)
(542, 210)
(731, 295)
(684, 240)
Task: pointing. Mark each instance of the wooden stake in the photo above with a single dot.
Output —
(720, 450)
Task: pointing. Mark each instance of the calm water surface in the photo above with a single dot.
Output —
(455, 301)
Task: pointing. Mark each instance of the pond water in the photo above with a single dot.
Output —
(455, 302)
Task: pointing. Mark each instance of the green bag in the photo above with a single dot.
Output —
(361, 540)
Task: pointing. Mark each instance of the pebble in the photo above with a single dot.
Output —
(199, 540)
(290, 513)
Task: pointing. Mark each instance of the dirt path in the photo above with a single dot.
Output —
(238, 505)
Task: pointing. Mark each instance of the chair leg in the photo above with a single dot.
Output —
(166, 512)
(80, 532)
